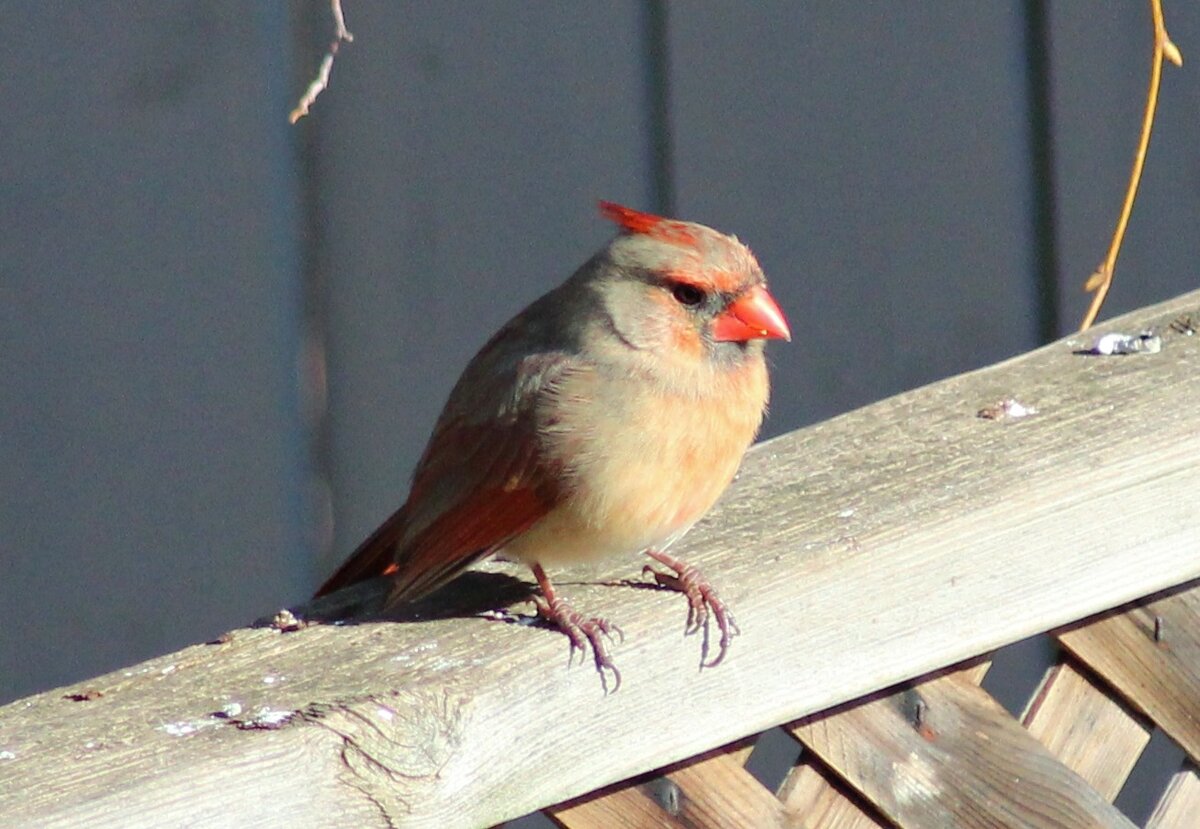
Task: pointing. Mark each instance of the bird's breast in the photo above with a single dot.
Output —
(640, 462)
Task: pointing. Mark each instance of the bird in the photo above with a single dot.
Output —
(604, 419)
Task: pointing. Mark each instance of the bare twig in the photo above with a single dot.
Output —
(1101, 280)
(321, 81)
(340, 21)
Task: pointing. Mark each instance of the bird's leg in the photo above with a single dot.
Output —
(702, 598)
(583, 632)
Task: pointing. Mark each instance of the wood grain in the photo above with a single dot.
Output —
(1180, 803)
(813, 793)
(707, 792)
(944, 754)
(719, 792)
(625, 806)
(858, 553)
(817, 800)
(1096, 736)
(1158, 673)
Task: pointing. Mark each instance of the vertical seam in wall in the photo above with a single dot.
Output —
(657, 74)
(311, 24)
(1041, 168)
(289, 264)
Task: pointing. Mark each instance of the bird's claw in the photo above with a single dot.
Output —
(702, 601)
(584, 633)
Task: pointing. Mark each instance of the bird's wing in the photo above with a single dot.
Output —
(481, 481)
(372, 558)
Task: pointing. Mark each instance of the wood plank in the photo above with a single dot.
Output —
(712, 790)
(718, 792)
(1159, 676)
(1180, 803)
(858, 553)
(944, 754)
(812, 792)
(817, 800)
(1096, 736)
(625, 806)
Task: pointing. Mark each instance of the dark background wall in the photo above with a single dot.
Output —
(224, 339)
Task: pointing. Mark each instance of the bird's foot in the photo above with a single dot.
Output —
(585, 633)
(702, 600)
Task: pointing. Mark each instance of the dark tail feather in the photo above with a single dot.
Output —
(374, 557)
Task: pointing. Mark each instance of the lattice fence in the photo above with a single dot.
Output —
(941, 752)
(862, 551)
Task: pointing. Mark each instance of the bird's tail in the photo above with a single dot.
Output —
(374, 557)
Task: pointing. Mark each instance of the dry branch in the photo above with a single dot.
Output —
(1101, 280)
(321, 82)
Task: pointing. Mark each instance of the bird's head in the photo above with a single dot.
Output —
(686, 289)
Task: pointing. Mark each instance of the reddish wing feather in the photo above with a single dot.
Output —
(471, 530)
(374, 557)
(476, 487)
(457, 538)
(480, 481)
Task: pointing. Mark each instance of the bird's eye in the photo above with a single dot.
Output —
(686, 294)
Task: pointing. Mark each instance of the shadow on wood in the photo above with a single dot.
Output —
(865, 551)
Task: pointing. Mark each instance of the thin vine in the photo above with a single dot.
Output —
(1101, 280)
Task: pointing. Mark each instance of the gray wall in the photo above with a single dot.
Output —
(151, 449)
(224, 339)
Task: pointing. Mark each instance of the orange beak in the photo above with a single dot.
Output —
(753, 316)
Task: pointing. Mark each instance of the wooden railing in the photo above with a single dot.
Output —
(862, 552)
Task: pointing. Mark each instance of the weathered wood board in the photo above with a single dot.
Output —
(1151, 655)
(868, 549)
(945, 754)
(1073, 718)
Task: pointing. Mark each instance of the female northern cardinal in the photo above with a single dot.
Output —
(605, 418)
